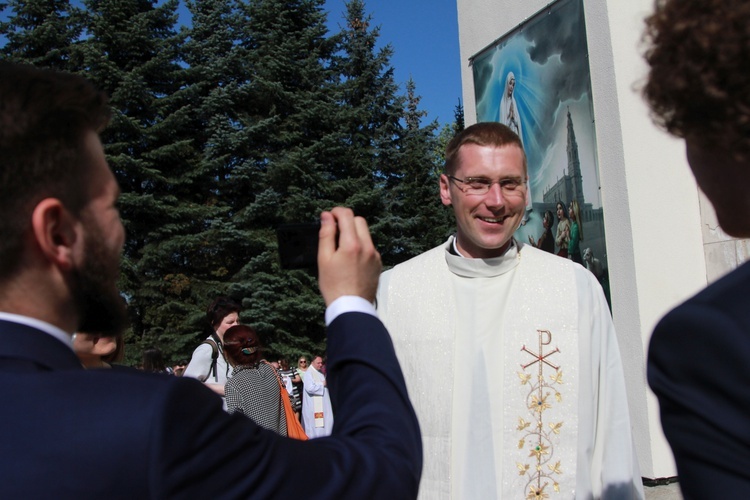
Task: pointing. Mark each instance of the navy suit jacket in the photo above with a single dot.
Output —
(66, 432)
(699, 368)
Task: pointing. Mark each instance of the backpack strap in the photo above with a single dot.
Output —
(214, 343)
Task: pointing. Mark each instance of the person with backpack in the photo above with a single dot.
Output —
(208, 363)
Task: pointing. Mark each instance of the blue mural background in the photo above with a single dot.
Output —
(548, 55)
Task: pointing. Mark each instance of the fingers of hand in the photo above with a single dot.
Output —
(326, 236)
(351, 266)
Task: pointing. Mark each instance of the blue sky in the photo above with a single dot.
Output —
(424, 37)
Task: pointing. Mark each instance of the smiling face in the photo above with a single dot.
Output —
(486, 223)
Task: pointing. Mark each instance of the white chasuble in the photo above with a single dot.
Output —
(318, 409)
(317, 414)
(489, 349)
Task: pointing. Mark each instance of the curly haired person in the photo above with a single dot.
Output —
(698, 89)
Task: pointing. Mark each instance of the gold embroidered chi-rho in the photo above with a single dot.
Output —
(542, 378)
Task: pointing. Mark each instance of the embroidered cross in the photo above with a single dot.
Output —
(541, 357)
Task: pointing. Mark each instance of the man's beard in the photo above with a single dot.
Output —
(99, 304)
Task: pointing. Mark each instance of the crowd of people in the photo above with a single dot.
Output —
(230, 362)
(515, 381)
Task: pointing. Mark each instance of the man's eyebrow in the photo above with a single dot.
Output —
(485, 178)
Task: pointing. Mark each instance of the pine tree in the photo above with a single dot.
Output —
(252, 116)
(388, 140)
(416, 219)
(201, 114)
(370, 121)
(131, 53)
(41, 32)
(288, 112)
(446, 134)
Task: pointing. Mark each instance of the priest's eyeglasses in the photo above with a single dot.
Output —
(480, 185)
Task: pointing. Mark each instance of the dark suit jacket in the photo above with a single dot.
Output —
(699, 367)
(70, 433)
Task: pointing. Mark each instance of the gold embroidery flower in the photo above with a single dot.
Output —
(539, 404)
(539, 450)
(535, 493)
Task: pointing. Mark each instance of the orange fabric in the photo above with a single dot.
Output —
(294, 428)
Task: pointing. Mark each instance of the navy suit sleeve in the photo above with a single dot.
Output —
(374, 452)
(698, 368)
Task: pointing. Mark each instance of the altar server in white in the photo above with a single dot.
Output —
(529, 397)
(317, 414)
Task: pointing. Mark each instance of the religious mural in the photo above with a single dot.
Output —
(536, 80)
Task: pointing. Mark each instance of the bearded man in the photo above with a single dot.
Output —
(75, 433)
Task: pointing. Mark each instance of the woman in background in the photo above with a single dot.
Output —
(253, 388)
(153, 361)
(302, 366)
(208, 363)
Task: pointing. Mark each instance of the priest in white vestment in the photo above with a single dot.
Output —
(529, 400)
(317, 415)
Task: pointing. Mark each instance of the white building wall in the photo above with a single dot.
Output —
(651, 204)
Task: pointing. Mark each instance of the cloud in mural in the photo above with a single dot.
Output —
(563, 51)
(548, 57)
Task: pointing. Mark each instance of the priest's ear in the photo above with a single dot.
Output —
(445, 191)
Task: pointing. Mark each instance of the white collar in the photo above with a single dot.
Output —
(482, 268)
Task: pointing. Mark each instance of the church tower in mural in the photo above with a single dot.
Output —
(570, 186)
(574, 163)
